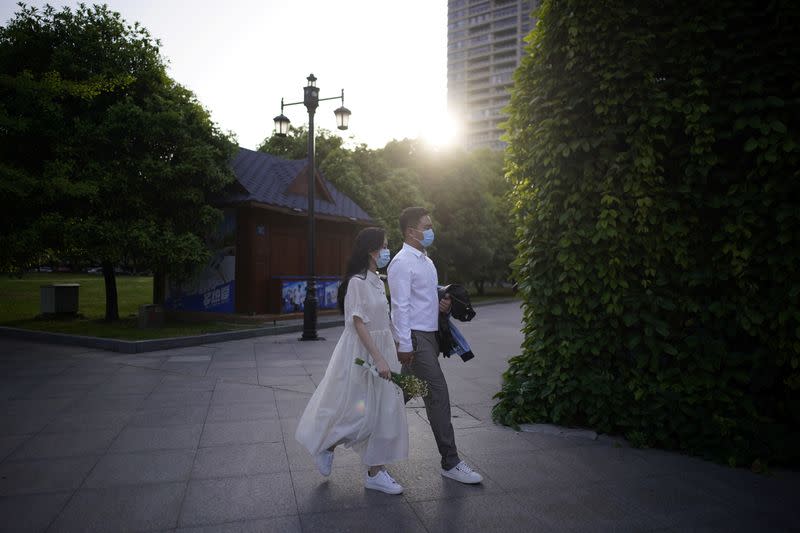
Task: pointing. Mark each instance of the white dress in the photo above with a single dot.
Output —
(352, 406)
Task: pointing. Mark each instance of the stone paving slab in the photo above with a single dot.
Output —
(201, 439)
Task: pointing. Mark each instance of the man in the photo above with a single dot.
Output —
(413, 284)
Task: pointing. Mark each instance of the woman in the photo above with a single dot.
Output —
(351, 406)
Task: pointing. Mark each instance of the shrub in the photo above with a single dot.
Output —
(654, 161)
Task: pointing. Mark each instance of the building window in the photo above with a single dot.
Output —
(479, 8)
(479, 39)
(506, 11)
(497, 79)
(504, 56)
(499, 67)
(480, 19)
(480, 50)
(505, 22)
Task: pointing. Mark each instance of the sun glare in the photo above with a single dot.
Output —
(441, 132)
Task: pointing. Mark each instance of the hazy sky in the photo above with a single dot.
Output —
(241, 56)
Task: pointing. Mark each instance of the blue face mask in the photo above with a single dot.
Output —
(427, 238)
(384, 255)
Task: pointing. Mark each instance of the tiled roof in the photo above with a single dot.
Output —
(265, 178)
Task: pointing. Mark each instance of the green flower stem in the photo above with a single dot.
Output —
(412, 386)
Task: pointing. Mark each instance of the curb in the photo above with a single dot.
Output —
(558, 431)
(152, 345)
(499, 301)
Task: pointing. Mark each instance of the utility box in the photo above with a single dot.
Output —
(59, 299)
(151, 316)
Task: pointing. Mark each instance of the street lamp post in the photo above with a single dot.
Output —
(311, 100)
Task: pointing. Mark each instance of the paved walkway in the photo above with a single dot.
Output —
(201, 439)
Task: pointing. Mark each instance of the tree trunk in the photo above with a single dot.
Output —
(480, 287)
(159, 292)
(112, 303)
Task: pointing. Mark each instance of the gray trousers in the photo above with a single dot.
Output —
(425, 366)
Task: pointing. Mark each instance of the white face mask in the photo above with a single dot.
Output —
(384, 256)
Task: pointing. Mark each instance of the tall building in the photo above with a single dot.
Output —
(484, 47)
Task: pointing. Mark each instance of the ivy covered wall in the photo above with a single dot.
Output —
(655, 162)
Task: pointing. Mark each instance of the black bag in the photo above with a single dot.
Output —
(462, 308)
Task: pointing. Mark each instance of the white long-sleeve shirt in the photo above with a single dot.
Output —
(413, 284)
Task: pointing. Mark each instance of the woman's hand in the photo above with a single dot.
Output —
(383, 367)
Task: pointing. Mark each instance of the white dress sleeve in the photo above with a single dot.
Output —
(355, 301)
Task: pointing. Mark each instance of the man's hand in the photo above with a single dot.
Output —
(445, 304)
(405, 358)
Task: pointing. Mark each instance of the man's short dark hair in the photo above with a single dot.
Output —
(410, 217)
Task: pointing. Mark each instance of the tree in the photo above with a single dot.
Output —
(102, 154)
(655, 161)
(475, 242)
(466, 192)
(294, 145)
(361, 173)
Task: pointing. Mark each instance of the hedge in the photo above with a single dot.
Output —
(654, 157)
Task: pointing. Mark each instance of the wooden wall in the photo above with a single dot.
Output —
(271, 244)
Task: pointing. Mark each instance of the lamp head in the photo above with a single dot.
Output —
(311, 94)
(342, 117)
(281, 125)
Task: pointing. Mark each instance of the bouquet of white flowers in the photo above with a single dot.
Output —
(412, 386)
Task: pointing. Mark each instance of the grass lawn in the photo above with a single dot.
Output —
(21, 298)
(20, 305)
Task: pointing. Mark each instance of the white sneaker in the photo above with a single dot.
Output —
(463, 473)
(383, 482)
(324, 460)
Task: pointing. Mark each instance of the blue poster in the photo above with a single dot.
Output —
(328, 294)
(213, 285)
(217, 299)
(293, 295)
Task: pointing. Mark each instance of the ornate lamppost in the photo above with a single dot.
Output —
(311, 100)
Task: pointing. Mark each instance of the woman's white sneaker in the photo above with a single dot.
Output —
(383, 482)
(324, 460)
(463, 473)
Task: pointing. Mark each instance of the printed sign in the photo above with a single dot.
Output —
(293, 295)
(213, 286)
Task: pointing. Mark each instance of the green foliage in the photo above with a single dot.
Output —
(103, 156)
(294, 145)
(655, 163)
(475, 241)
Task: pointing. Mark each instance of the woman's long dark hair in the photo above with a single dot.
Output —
(368, 240)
